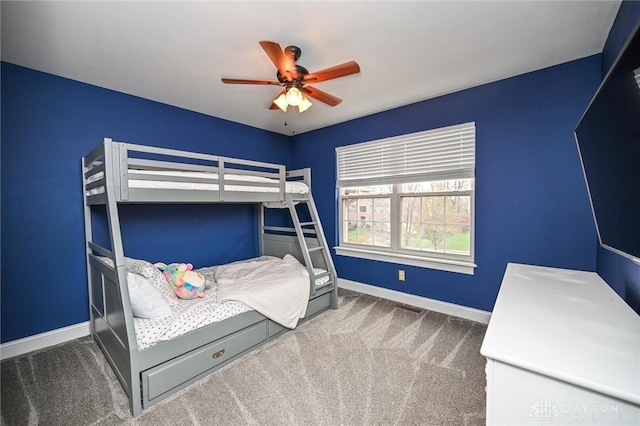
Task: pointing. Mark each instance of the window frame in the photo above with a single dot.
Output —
(395, 253)
(366, 196)
(463, 258)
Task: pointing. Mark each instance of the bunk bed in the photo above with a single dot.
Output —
(115, 173)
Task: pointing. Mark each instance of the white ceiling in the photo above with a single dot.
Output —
(176, 52)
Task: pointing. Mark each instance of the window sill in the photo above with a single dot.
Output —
(405, 259)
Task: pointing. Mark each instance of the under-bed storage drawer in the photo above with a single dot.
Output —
(275, 328)
(180, 371)
(318, 304)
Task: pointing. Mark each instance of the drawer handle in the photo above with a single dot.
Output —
(218, 354)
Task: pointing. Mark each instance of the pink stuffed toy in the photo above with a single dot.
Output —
(185, 283)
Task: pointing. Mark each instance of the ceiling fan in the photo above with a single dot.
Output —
(296, 79)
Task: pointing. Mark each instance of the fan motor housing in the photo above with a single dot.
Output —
(300, 71)
(294, 51)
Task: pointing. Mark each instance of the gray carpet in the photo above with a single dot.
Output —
(370, 362)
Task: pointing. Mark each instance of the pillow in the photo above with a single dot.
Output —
(140, 267)
(146, 300)
(147, 270)
(154, 276)
(137, 266)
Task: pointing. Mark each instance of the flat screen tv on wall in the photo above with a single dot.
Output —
(608, 137)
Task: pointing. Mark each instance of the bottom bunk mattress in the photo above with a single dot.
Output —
(223, 296)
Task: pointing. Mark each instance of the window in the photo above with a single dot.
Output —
(410, 199)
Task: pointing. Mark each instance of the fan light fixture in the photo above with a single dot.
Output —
(294, 97)
(281, 101)
(304, 104)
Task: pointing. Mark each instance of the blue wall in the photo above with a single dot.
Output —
(619, 272)
(48, 124)
(531, 201)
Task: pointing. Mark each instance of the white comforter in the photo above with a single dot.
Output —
(277, 288)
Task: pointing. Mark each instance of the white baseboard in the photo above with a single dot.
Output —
(417, 301)
(43, 340)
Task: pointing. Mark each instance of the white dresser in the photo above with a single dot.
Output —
(562, 348)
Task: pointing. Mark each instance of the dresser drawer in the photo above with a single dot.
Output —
(172, 374)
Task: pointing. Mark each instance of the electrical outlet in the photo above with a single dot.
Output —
(400, 275)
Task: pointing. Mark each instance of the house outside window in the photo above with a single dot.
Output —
(410, 199)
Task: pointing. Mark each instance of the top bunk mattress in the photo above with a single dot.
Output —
(201, 181)
(144, 174)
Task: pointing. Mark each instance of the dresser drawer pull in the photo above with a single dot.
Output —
(218, 354)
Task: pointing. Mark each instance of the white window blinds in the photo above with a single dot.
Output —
(445, 153)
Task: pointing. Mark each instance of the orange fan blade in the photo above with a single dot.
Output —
(244, 81)
(321, 96)
(283, 63)
(341, 70)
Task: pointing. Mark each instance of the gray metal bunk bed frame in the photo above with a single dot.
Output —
(152, 374)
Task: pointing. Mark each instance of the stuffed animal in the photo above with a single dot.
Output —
(185, 283)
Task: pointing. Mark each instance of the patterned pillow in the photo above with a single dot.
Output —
(140, 267)
(150, 272)
(158, 280)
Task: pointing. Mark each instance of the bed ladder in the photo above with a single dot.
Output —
(322, 247)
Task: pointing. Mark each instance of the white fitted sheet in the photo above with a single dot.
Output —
(189, 315)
